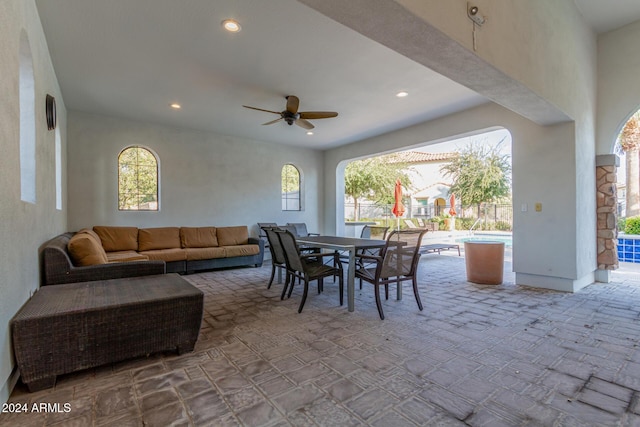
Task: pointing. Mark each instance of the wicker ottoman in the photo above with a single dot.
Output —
(66, 328)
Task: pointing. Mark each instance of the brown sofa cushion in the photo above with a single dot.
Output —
(195, 254)
(166, 255)
(85, 250)
(124, 256)
(231, 236)
(241, 250)
(198, 237)
(150, 239)
(116, 239)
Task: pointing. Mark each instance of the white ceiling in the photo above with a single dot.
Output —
(607, 15)
(132, 58)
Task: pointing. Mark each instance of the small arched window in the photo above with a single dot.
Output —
(290, 188)
(137, 180)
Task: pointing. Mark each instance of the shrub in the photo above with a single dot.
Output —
(503, 226)
(622, 224)
(632, 225)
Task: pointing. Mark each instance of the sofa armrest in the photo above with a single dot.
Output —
(105, 272)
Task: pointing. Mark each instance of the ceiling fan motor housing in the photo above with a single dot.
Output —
(289, 117)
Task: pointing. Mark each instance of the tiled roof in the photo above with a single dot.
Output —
(420, 157)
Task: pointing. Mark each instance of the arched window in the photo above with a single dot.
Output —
(27, 123)
(290, 188)
(137, 180)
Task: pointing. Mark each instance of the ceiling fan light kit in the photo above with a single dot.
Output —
(291, 115)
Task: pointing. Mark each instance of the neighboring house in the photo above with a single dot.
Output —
(430, 188)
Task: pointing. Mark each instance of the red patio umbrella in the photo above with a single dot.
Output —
(452, 202)
(398, 207)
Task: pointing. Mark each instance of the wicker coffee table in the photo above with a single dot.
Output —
(66, 328)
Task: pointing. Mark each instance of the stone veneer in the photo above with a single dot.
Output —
(607, 214)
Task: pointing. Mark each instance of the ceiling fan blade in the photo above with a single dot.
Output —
(261, 109)
(318, 114)
(304, 124)
(272, 122)
(292, 104)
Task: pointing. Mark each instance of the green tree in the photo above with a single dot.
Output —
(137, 180)
(480, 175)
(375, 179)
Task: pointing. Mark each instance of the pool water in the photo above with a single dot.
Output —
(507, 239)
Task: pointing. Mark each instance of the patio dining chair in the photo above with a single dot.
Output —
(278, 260)
(301, 229)
(397, 262)
(378, 232)
(263, 235)
(307, 267)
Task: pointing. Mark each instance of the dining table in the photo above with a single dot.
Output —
(347, 244)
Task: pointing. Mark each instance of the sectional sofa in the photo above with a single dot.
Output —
(109, 252)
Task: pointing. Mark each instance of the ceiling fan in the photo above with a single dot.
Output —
(291, 115)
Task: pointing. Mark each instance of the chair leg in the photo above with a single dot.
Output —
(341, 288)
(320, 285)
(378, 302)
(286, 285)
(273, 274)
(293, 280)
(415, 292)
(386, 291)
(304, 295)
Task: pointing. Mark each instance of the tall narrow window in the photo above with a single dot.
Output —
(137, 180)
(58, 170)
(27, 123)
(290, 188)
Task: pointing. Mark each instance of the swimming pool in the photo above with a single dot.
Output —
(506, 238)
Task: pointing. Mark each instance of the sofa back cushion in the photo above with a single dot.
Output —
(115, 239)
(158, 238)
(198, 237)
(231, 236)
(85, 249)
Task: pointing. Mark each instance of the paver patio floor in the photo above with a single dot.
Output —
(477, 355)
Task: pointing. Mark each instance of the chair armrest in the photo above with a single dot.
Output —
(116, 270)
(369, 257)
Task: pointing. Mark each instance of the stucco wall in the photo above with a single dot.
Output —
(618, 83)
(24, 226)
(205, 179)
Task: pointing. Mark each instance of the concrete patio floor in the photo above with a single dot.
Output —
(477, 355)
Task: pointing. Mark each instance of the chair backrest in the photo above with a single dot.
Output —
(263, 235)
(290, 228)
(374, 232)
(402, 252)
(291, 253)
(301, 228)
(409, 223)
(277, 253)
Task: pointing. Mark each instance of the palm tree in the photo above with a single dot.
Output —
(630, 143)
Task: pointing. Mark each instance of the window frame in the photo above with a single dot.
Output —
(285, 200)
(137, 165)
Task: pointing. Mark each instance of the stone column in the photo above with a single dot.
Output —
(606, 196)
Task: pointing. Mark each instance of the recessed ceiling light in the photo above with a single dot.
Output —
(175, 106)
(231, 25)
(309, 133)
(402, 94)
